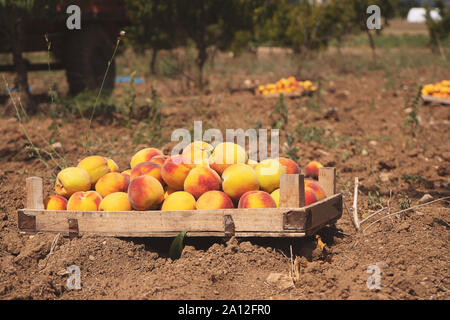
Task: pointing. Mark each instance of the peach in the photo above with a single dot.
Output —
(84, 201)
(269, 172)
(200, 180)
(145, 192)
(117, 201)
(55, 202)
(144, 155)
(127, 172)
(226, 154)
(312, 169)
(147, 168)
(113, 167)
(256, 199)
(239, 179)
(112, 182)
(252, 163)
(71, 180)
(159, 159)
(276, 196)
(317, 188)
(174, 171)
(214, 200)
(96, 166)
(290, 166)
(310, 196)
(198, 152)
(179, 200)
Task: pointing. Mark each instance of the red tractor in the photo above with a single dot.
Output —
(84, 53)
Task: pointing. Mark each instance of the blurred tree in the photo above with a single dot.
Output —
(153, 26)
(439, 30)
(212, 23)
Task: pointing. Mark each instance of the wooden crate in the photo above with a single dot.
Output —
(292, 219)
(428, 99)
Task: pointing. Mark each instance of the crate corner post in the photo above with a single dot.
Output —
(327, 179)
(292, 191)
(35, 193)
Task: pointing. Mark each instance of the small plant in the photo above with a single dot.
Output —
(374, 200)
(405, 203)
(289, 149)
(130, 99)
(412, 121)
(281, 113)
(412, 179)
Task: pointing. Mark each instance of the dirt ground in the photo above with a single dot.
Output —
(363, 135)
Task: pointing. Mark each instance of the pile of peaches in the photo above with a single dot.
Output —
(201, 177)
(289, 85)
(438, 90)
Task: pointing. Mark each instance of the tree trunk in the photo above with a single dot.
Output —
(153, 61)
(200, 61)
(372, 46)
(20, 65)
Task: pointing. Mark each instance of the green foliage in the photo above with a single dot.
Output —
(316, 134)
(374, 199)
(281, 113)
(405, 202)
(177, 246)
(412, 121)
(412, 179)
(289, 149)
(439, 30)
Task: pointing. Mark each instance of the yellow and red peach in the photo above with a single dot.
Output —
(175, 170)
(147, 168)
(312, 169)
(310, 196)
(276, 196)
(226, 154)
(290, 166)
(269, 172)
(239, 179)
(317, 188)
(179, 200)
(145, 192)
(144, 155)
(198, 153)
(214, 200)
(159, 159)
(55, 202)
(71, 180)
(256, 199)
(117, 201)
(200, 180)
(113, 167)
(96, 166)
(84, 201)
(112, 182)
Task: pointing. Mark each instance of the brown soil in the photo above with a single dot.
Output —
(412, 248)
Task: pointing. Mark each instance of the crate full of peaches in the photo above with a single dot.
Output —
(201, 177)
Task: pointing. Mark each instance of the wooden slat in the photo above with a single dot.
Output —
(292, 191)
(323, 212)
(436, 99)
(327, 179)
(34, 193)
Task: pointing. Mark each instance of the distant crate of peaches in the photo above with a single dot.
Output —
(202, 177)
(289, 86)
(439, 91)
